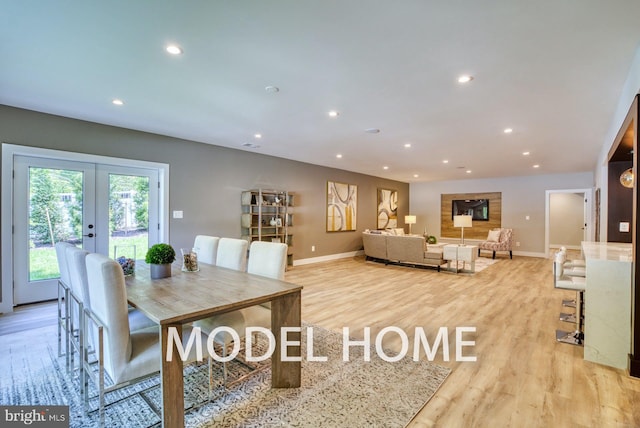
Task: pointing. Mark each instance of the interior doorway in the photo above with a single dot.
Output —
(568, 219)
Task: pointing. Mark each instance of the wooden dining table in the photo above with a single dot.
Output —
(185, 297)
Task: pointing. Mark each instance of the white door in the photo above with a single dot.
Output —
(100, 208)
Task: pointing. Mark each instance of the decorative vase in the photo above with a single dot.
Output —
(160, 271)
(189, 260)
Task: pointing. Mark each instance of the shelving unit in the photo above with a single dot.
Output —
(266, 216)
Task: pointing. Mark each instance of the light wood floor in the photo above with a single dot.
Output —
(522, 377)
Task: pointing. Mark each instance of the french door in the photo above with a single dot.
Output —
(102, 208)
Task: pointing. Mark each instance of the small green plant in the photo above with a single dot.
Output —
(160, 254)
(432, 239)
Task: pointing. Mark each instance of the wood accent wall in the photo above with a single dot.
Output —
(480, 229)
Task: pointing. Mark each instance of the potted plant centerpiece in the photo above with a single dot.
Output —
(159, 257)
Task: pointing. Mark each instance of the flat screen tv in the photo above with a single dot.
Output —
(478, 209)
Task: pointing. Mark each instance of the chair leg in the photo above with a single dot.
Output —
(478, 252)
(511, 254)
(494, 254)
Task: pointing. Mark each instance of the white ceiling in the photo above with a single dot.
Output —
(552, 70)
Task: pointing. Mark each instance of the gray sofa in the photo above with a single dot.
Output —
(408, 249)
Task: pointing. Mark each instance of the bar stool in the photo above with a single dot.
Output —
(576, 283)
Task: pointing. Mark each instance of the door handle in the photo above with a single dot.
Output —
(90, 235)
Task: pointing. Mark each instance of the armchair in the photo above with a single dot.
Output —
(495, 242)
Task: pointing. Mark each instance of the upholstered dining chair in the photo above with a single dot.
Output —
(80, 299)
(64, 288)
(498, 240)
(206, 247)
(123, 355)
(265, 259)
(232, 254)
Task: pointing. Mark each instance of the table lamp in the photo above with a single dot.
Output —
(410, 219)
(462, 221)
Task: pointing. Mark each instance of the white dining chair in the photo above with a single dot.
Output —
(123, 355)
(265, 259)
(232, 254)
(206, 247)
(63, 300)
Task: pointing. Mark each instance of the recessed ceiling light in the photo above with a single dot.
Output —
(174, 49)
(372, 131)
(251, 145)
(445, 161)
(468, 171)
(257, 135)
(536, 166)
(117, 102)
(526, 153)
(465, 78)
(385, 167)
(339, 156)
(272, 89)
(407, 145)
(415, 176)
(333, 113)
(508, 130)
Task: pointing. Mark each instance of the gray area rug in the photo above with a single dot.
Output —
(334, 393)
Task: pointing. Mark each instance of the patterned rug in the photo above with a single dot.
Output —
(484, 262)
(334, 393)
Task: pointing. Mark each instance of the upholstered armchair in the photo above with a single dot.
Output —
(498, 240)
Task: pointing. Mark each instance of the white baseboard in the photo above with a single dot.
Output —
(327, 258)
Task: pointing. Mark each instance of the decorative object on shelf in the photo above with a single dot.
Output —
(410, 219)
(462, 221)
(279, 222)
(189, 260)
(387, 214)
(128, 265)
(159, 257)
(272, 222)
(627, 178)
(342, 203)
(431, 239)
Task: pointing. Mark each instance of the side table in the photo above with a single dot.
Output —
(460, 253)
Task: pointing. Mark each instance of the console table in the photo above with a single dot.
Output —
(460, 253)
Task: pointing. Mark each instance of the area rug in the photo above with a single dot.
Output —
(335, 393)
(483, 262)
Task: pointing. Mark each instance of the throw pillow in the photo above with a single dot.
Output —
(494, 236)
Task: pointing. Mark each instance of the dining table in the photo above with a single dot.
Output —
(185, 297)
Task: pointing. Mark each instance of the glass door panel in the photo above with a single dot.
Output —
(128, 215)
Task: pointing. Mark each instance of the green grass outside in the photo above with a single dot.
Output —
(43, 262)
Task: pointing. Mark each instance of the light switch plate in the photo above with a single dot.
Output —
(177, 214)
(624, 226)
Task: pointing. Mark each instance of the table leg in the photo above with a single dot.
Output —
(285, 312)
(172, 381)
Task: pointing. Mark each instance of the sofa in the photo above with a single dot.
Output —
(403, 249)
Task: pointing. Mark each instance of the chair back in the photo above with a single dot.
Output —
(558, 265)
(108, 295)
(506, 238)
(78, 274)
(63, 266)
(207, 248)
(232, 254)
(267, 259)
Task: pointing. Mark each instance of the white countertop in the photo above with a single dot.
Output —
(611, 251)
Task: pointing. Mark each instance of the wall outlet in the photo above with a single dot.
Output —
(313, 248)
(177, 214)
(517, 243)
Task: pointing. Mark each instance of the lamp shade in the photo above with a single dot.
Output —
(410, 219)
(462, 221)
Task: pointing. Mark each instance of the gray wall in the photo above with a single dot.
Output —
(206, 180)
(566, 216)
(521, 197)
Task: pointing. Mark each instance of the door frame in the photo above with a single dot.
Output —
(9, 151)
(588, 216)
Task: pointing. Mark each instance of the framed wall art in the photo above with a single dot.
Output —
(387, 208)
(342, 206)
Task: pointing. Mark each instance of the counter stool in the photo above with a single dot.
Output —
(577, 283)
